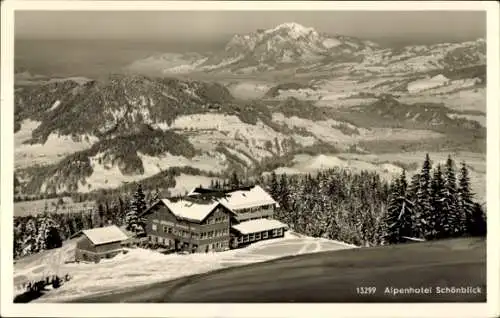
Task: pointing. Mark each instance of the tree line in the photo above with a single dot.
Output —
(35, 233)
(362, 209)
(358, 208)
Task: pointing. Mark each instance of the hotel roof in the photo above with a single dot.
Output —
(190, 209)
(246, 198)
(259, 225)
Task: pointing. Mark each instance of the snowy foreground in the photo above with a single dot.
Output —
(141, 266)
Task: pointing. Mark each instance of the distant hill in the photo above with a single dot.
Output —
(127, 128)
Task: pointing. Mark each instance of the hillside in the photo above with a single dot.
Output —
(140, 267)
(251, 107)
(332, 277)
(104, 134)
(126, 138)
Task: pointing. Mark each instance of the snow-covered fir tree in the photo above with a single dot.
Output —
(137, 206)
(423, 205)
(273, 185)
(47, 236)
(30, 238)
(451, 219)
(438, 212)
(399, 219)
(465, 201)
(132, 217)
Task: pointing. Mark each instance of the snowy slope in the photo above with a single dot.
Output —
(140, 266)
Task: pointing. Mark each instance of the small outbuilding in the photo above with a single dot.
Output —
(96, 244)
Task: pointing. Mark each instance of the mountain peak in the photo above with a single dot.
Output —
(296, 30)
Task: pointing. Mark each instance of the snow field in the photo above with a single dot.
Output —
(142, 266)
(309, 164)
(54, 149)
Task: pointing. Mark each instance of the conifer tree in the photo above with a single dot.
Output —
(465, 201)
(413, 187)
(47, 236)
(17, 241)
(284, 192)
(234, 182)
(423, 207)
(438, 211)
(274, 185)
(100, 210)
(412, 196)
(137, 206)
(451, 218)
(140, 200)
(399, 221)
(131, 217)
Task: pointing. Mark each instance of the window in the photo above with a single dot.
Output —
(154, 227)
(252, 237)
(274, 232)
(240, 239)
(169, 230)
(280, 232)
(264, 235)
(165, 229)
(257, 236)
(245, 238)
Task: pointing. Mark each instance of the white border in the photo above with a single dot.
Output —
(490, 309)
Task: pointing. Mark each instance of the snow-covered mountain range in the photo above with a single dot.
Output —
(305, 50)
(337, 96)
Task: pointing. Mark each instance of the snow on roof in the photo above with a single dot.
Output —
(247, 198)
(103, 235)
(189, 209)
(258, 225)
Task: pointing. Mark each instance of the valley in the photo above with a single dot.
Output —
(288, 99)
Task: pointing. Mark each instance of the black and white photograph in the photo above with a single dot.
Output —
(245, 156)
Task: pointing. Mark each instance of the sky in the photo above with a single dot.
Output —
(420, 26)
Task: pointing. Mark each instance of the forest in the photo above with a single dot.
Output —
(356, 208)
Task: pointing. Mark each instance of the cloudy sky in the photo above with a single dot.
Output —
(198, 25)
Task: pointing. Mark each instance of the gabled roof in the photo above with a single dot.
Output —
(247, 198)
(259, 225)
(104, 235)
(190, 209)
(200, 202)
